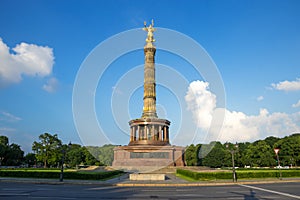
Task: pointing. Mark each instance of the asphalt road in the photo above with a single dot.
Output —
(15, 191)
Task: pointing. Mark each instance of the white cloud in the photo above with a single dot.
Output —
(27, 60)
(5, 119)
(237, 126)
(260, 98)
(8, 117)
(7, 129)
(296, 104)
(202, 102)
(51, 85)
(287, 85)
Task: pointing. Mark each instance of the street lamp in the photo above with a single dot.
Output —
(276, 150)
(233, 151)
(61, 177)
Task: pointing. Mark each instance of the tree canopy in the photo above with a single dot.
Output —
(260, 153)
(48, 149)
(10, 154)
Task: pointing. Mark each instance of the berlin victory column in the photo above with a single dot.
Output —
(149, 129)
(149, 144)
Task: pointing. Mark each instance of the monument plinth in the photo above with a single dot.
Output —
(149, 144)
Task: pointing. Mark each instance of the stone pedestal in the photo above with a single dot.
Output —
(147, 158)
(147, 177)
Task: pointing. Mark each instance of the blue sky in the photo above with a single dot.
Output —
(254, 44)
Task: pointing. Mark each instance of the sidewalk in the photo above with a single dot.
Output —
(171, 180)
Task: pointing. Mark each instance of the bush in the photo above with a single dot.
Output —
(91, 176)
(205, 175)
(268, 173)
(55, 174)
(240, 174)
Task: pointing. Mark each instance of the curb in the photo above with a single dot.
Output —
(200, 184)
(67, 182)
(192, 184)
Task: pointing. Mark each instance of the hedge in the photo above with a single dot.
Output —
(56, 174)
(263, 169)
(240, 174)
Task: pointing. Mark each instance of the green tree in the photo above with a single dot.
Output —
(260, 154)
(75, 155)
(30, 159)
(3, 149)
(289, 153)
(198, 149)
(240, 155)
(106, 155)
(191, 155)
(271, 141)
(15, 155)
(48, 149)
(3, 140)
(89, 159)
(216, 157)
(10, 154)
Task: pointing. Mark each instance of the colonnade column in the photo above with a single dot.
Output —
(139, 132)
(149, 133)
(159, 133)
(152, 132)
(145, 132)
(165, 133)
(134, 133)
(131, 134)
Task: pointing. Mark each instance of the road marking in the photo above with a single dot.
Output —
(101, 188)
(42, 197)
(12, 194)
(154, 190)
(271, 191)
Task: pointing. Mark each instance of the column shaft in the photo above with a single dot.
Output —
(131, 134)
(165, 133)
(134, 133)
(139, 133)
(159, 133)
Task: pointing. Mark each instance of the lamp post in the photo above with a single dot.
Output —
(276, 150)
(61, 176)
(233, 151)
